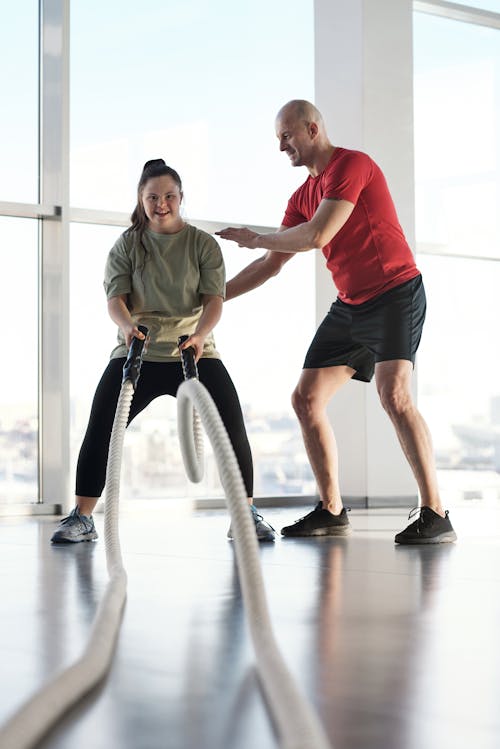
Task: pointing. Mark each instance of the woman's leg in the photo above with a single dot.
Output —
(155, 380)
(93, 458)
(216, 379)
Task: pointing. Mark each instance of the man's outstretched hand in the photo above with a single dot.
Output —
(244, 237)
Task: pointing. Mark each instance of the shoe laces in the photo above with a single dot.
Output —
(421, 511)
(75, 513)
(414, 511)
(259, 519)
(319, 506)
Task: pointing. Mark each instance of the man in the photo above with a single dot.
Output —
(373, 327)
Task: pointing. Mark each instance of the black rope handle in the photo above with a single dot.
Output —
(132, 367)
(187, 358)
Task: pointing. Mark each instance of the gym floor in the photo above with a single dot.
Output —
(396, 647)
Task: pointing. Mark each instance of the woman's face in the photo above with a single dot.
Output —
(161, 199)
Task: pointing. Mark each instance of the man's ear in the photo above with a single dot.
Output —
(313, 129)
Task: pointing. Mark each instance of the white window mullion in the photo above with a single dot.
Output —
(54, 254)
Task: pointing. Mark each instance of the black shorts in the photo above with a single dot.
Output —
(359, 335)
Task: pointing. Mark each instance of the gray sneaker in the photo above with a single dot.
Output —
(264, 531)
(74, 528)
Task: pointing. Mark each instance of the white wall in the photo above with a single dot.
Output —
(364, 89)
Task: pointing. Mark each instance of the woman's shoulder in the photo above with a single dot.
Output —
(201, 237)
(126, 242)
(196, 231)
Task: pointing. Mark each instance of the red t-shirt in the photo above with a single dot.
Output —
(369, 255)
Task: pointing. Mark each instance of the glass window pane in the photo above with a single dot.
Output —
(457, 137)
(260, 334)
(19, 377)
(493, 5)
(196, 83)
(263, 337)
(458, 364)
(19, 95)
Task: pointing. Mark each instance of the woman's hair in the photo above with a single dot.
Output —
(151, 169)
(139, 220)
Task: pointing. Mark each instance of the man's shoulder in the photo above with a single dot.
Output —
(348, 163)
(349, 155)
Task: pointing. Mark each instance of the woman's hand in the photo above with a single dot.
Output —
(197, 342)
(130, 332)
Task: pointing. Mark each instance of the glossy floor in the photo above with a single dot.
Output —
(396, 647)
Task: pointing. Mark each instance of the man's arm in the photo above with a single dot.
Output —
(257, 273)
(329, 218)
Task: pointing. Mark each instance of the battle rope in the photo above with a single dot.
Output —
(39, 713)
(297, 725)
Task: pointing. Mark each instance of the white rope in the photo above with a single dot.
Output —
(36, 716)
(297, 724)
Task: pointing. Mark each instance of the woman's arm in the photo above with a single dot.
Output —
(212, 311)
(118, 311)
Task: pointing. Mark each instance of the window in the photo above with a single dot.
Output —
(19, 247)
(19, 391)
(188, 83)
(457, 137)
(19, 92)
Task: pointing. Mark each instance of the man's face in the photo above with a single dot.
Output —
(295, 139)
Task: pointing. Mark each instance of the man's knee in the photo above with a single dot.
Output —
(395, 398)
(307, 405)
(303, 403)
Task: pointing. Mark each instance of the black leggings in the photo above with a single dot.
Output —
(156, 379)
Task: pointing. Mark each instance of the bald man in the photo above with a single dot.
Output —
(372, 328)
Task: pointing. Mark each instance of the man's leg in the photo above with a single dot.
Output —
(310, 398)
(393, 380)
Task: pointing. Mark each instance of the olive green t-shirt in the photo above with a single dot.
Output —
(164, 286)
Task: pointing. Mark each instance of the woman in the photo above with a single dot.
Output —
(169, 276)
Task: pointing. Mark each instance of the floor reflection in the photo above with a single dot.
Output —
(396, 646)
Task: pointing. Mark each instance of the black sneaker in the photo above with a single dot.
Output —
(429, 528)
(319, 522)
